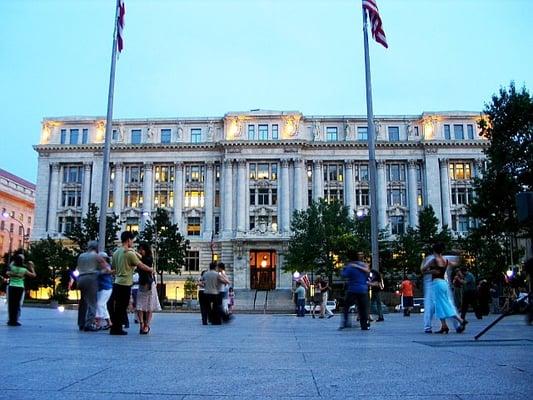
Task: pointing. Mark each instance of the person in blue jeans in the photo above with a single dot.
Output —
(356, 274)
(299, 292)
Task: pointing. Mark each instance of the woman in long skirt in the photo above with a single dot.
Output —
(147, 300)
(444, 307)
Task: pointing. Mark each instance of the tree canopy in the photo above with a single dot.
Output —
(170, 247)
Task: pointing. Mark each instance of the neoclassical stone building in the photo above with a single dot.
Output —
(232, 183)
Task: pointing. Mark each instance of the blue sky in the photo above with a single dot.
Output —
(208, 57)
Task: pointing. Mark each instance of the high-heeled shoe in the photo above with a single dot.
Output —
(443, 330)
(461, 327)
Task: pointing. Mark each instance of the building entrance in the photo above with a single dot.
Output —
(263, 269)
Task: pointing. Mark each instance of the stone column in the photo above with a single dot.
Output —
(41, 199)
(318, 180)
(298, 184)
(445, 192)
(86, 191)
(349, 190)
(96, 193)
(381, 194)
(305, 187)
(413, 193)
(432, 187)
(55, 188)
(209, 197)
(148, 189)
(118, 189)
(285, 197)
(228, 198)
(178, 196)
(241, 197)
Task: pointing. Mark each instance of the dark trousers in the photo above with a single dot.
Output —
(203, 306)
(214, 305)
(14, 295)
(118, 305)
(376, 299)
(88, 285)
(469, 298)
(361, 300)
(300, 308)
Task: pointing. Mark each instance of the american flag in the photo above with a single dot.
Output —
(120, 24)
(377, 28)
(305, 281)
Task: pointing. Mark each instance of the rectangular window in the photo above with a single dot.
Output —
(397, 224)
(262, 171)
(217, 198)
(165, 135)
(470, 131)
(114, 135)
(447, 134)
(164, 174)
(193, 226)
(251, 132)
(262, 197)
(458, 132)
(217, 224)
(416, 131)
(72, 174)
(74, 135)
(192, 261)
(394, 133)
(194, 173)
(274, 172)
(136, 136)
(132, 224)
(84, 136)
(331, 134)
(252, 197)
(253, 173)
(133, 174)
(396, 172)
(460, 171)
(275, 132)
(133, 198)
(196, 135)
(361, 172)
(263, 132)
(396, 197)
(362, 133)
(163, 198)
(274, 197)
(194, 198)
(63, 136)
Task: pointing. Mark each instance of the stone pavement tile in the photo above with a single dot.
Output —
(55, 395)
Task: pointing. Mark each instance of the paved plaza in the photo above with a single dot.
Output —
(264, 357)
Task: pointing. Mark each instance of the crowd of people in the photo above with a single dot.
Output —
(216, 296)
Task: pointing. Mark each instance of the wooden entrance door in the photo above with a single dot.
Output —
(263, 269)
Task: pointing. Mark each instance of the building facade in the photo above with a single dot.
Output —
(17, 204)
(232, 183)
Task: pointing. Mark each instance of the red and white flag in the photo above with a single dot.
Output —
(120, 25)
(305, 281)
(377, 27)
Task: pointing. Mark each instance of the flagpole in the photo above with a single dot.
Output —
(107, 142)
(371, 153)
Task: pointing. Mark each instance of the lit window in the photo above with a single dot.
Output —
(193, 226)
(194, 173)
(262, 171)
(460, 171)
(194, 198)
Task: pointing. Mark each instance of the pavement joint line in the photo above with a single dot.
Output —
(30, 361)
(83, 379)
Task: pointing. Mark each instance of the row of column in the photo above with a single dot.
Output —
(437, 190)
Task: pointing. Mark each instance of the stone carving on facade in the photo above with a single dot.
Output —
(210, 131)
(412, 163)
(150, 133)
(238, 127)
(121, 133)
(409, 129)
(348, 131)
(292, 125)
(179, 132)
(100, 131)
(377, 128)
(48, 130)
(316, 131)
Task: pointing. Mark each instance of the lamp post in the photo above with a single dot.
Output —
(6, 215)
(10, 245)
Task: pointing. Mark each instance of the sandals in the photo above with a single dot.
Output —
(144, 329)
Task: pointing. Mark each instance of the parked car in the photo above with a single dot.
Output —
(418, 305)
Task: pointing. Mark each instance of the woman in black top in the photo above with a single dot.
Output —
(146, 301)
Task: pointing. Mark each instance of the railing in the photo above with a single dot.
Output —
(263, 278)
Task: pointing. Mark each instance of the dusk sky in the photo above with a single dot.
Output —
(205, 58)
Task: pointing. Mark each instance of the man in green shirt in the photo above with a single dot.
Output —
(124, 262)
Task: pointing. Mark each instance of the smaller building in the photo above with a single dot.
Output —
(17, 205)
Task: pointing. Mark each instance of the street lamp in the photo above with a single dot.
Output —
(6, 215)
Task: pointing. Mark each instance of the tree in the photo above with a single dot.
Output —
(52, 261)
(170, 247)
(428, 231)
(87, 230)
(320, 237)
(508, 126)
